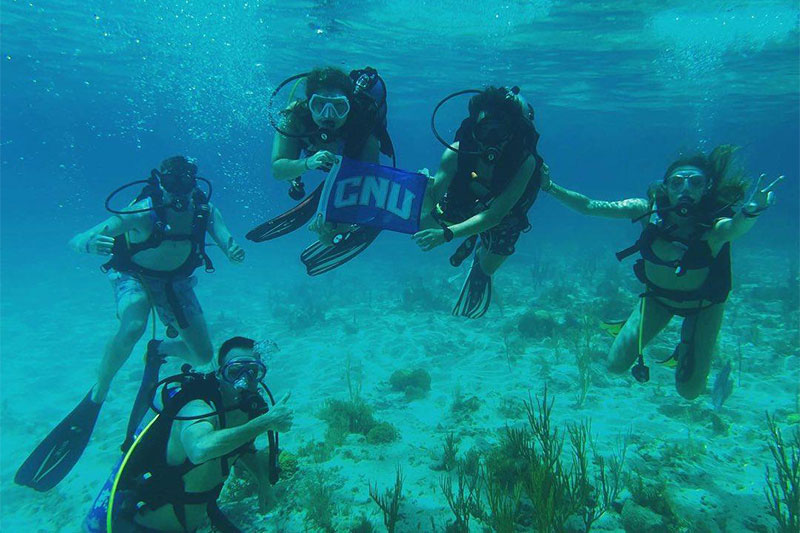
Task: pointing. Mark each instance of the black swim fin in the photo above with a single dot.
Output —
(152, 364)
(55, 456)
(288, 221)
(476, 294)
(320, 258)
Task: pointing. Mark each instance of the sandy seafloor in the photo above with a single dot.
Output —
(57, 312)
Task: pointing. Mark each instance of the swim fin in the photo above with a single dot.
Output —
(476, 294)
(612, 327)
(320, 258)
(288, 221)
(55, 456)
(152, 364)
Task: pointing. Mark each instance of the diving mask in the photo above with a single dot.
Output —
(243, 374)
(178, 184)
(328, 107)
(491, 134)
(696, 181)
(491, 131)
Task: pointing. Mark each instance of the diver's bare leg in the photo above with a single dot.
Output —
(198, 350)
(625, 349)
(133, 311)
(699, 340)
(490, 262)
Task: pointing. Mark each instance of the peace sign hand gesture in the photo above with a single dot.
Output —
(760, 199)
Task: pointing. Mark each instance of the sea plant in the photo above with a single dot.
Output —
(389, 501)
(319, 503)
(580, 342)
(783, 483)
(529, 480)
(353, 415)
(464, 499)
(449, 452)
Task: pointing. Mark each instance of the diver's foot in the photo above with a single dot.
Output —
(153, 355)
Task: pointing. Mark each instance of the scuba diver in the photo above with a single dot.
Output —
(487, 181)
(688, 223)
(155, 245)
(172, 475)
(341, 114)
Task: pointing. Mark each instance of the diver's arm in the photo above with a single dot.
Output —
(286, 161)
(728, 229)
(100, 238)
(629, 208)
(202, 442)
(222, 236)
(500, 207)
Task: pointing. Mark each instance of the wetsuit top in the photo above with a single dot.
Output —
(697, 256)
(466, 197)
(124, 251)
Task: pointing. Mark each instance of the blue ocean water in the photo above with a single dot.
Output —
(95, 94)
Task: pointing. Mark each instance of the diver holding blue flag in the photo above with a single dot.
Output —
(341, 114)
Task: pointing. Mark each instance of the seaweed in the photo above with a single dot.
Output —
(318, 503)
(464, 502)
(389, 501)
(449, 451)
(783, 483)
(527, 481)
(353, 416)
(580, 341)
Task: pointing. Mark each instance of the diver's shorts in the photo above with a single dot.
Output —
(502, 239)
(174, 307)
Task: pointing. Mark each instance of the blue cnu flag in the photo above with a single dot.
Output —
(373, 195)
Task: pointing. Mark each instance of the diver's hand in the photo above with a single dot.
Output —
(428, 239)
(280, 416)
(547, 182)
(322, 160)
(96, 244)
(761, 199)
(234, 252)
(326, 231)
